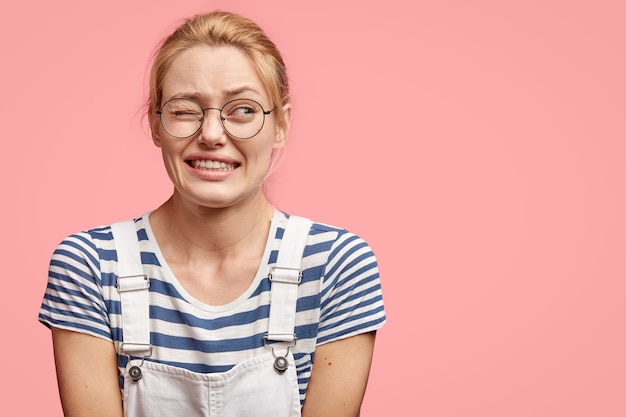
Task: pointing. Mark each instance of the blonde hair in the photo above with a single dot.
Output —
(220, 28)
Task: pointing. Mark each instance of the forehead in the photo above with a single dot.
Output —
(212, 73)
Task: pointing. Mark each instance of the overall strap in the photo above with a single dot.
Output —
(285, 277)
(132, 285)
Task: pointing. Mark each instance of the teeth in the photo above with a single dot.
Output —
(217, 165)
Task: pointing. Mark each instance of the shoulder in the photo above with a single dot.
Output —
(350, 295)
(93, 244)
(84, 244)
(324, 231)
(344, 243)
(339, 247)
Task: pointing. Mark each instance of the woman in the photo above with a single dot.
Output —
(215, 303)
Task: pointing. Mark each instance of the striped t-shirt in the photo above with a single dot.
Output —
(339, 296)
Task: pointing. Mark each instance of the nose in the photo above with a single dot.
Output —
(212, 131)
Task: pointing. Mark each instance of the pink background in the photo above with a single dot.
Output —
(477, 145)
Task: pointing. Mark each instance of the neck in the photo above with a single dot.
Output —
(190, 230)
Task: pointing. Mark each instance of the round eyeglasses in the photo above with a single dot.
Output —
(241, 118)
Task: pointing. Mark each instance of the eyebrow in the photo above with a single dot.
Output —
(227, 93)
(239, 90)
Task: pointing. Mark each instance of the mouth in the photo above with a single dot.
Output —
(207, 164)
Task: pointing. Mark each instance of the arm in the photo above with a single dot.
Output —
(339, 377)
(87, 374)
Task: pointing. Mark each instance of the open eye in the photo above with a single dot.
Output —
(242, 111)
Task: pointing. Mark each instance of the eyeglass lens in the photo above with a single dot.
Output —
(241, 118)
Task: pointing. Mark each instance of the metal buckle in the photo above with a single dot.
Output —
(135, 371)
(292, 343)
(148, 347)
(280, 362)
(274, 279)
(145, 284)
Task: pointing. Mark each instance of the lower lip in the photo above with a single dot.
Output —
(212, 174)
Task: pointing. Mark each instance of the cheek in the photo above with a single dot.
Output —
(166, 149)
(170, 152)
(259, 148)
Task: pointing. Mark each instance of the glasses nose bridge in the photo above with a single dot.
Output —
(204, 110)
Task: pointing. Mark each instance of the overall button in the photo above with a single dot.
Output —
(281, 364)
(135, 373)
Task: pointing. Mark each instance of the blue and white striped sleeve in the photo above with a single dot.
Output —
(351, 300)
(73, 299)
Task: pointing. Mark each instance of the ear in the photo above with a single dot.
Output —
(155, 128)
(282, 129)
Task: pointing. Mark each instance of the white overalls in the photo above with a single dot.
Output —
(263, 386)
